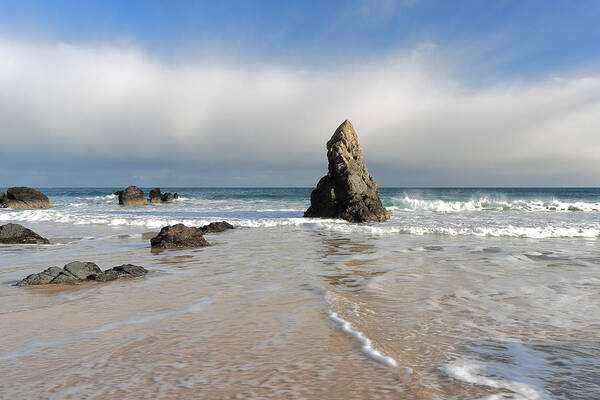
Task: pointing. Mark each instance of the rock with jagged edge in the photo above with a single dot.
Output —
(178, 236)
(77, 272)
(348, 191)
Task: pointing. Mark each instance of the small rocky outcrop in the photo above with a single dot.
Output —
(18, 234)
(23, 198)
(168, 197)
(348, 191)
(157, 197)
(132, 196)
(215, 227)
(178, 237)
(77, 271)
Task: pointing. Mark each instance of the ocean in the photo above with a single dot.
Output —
(463, 294)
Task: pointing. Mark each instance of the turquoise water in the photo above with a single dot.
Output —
(512, 212)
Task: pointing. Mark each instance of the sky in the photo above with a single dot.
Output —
(247, 93)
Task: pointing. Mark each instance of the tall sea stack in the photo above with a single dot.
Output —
(348, 191)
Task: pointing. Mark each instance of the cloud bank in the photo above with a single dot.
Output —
(76, 112)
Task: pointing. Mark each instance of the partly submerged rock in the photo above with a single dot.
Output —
(348, 191)
(77, 271)
(178, 237)
(214, 227)
(167, 197)
(23, 198)
(18, 234)
(122, 271)
(155, 196)
(132, 196)
(2, 205)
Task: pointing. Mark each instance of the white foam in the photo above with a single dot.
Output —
(485, 203)
(367, 345)
(523, 372)
(473, 372)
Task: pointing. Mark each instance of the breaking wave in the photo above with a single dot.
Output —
(484, 203)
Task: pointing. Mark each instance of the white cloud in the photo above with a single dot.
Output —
(119, 104)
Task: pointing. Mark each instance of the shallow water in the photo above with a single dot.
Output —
(459, 296)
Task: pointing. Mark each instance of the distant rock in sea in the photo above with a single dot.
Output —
(157, 197)
(77, 271)
(168, 197)
(178, 237)
(132, 196)
(348, 191)
(23, 198)
(18, 234)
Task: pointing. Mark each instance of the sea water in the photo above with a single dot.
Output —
(462, 294)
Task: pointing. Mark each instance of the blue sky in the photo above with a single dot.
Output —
(220, 90)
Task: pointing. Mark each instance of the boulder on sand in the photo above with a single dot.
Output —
(348, 191)
(23, 198)
(77, 271)
(18, 234)
(132, 196)
(178, 237)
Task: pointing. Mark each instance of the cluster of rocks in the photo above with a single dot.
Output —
(77, 271)
(348, 191)
(157, 197)
(180, 236)
(23, 198)
(18, 234)
(134, 196)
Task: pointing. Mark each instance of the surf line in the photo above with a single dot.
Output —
(367, 344)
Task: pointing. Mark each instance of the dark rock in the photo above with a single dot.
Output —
(177, 237)
(121, 271)
(348, 191)
(128, 271)
(155, 196)
(2, 204)
(41, 278)
(66, 278)
(132, 196)
(18, 234)
(76, 272)
(104, 276)
(24, 197)
(167, 197)
(175, 196)
(81, 270)
(214, 227)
